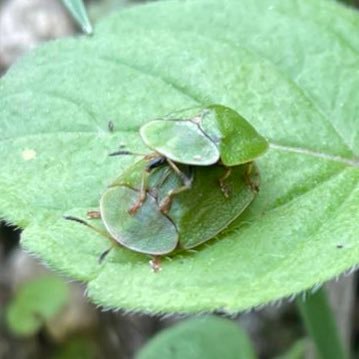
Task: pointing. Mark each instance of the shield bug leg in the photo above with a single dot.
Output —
(93, 214)
(155, 264)
(222, 182)
(186, 180)
(248, 173)
(165, 204)
(154, 162)
(154, 191)
(164, 178)
(141, 198)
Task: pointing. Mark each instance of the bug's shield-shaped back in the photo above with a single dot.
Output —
(200, 213)
(237, 139)
(181, 141)
(204, 211)
(148, 231)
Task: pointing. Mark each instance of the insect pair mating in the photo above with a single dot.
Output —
(175, 200)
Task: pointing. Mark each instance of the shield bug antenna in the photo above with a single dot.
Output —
(123, 152)
(222, 182)
(94, 214)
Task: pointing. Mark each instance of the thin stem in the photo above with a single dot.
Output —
(321, 326)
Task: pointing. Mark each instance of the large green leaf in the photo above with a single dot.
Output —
(289, 67)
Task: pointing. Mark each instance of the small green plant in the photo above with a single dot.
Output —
(35, 303)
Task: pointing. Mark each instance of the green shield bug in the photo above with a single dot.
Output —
(169, 200)
(199, 137)
(191, 219)
(215, 133)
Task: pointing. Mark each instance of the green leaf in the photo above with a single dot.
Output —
(78, 11)
(36, 302)
(208, 337)
(290, 68)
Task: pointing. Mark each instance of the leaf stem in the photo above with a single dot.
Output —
(321, 326)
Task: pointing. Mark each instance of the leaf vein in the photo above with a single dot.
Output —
(280, 72)
(309, 152)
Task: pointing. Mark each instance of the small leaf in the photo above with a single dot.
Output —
(208, 337)
(34, 303)
(78, 11)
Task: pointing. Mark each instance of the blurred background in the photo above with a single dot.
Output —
(56, 320)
